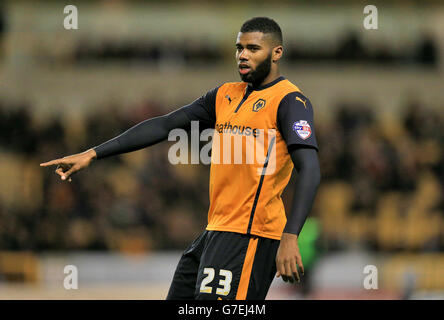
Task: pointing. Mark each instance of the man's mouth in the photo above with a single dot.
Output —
(244, 69)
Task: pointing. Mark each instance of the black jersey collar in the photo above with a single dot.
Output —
(265, 86)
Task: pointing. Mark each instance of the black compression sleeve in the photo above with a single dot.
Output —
(155, 130)
(144, 134)
(306, 162)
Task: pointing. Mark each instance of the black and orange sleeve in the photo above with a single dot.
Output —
(295, 121)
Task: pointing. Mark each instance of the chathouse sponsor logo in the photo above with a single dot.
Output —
(227, 127)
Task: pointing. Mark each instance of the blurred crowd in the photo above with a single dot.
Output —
(203, 51)
(383, 179)
(382, 183)
(132, 202)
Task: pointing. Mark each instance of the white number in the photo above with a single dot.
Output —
(225, 282)
(206, 280)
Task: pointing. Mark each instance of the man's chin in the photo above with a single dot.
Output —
(245, 78)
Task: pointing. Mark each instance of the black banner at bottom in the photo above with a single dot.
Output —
(166, 310)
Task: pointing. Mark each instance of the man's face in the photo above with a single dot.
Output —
(253, 56)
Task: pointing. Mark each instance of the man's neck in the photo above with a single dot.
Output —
(270, 78)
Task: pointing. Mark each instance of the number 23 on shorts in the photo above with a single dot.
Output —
(225, 281)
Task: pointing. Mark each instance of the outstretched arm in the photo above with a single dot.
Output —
(144, 134)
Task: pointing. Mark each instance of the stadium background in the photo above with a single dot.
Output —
(378, 98)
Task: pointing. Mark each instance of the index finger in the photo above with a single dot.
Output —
(52, 162)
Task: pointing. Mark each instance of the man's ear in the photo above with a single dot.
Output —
(277, 53)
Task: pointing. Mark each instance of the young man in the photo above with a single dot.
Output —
(248, 239)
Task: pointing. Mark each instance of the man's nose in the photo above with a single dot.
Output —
(243, 55)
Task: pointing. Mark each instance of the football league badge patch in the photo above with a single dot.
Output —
(302, 128)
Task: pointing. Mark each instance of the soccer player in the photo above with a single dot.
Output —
(248, 239)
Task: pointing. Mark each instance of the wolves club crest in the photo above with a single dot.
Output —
(258, 105)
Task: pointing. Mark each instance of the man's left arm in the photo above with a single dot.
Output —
(295, 122)
(306, 163)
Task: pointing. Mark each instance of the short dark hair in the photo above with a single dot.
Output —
(264, 25)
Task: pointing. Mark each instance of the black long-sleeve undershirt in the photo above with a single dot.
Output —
(155, 130)
(306, 163)
(144, 134)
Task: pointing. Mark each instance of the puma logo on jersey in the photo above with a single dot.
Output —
(299, 99)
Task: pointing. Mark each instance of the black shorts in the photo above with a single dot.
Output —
(225, 265)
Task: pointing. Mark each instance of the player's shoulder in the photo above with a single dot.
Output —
(293, 97)
(291, 93)
(220, 88)
(287, 87)
(233, 86)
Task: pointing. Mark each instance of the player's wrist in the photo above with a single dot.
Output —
(91, 153)
(289, 236)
